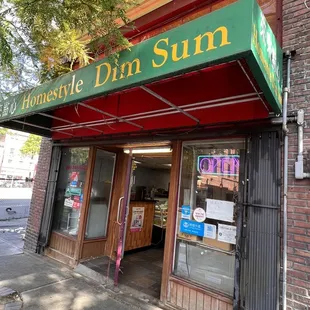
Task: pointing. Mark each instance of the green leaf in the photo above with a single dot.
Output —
(32, 146)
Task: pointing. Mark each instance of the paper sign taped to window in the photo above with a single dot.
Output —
(227, 233)
(186, 212)
(220, 210)
(210, 231)
(69, 202)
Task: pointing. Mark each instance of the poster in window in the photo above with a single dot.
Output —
(74, 178)
(137, 219)
(69, 202)
(186, 212)
(220, 210)
(210, 231)
(227, 233)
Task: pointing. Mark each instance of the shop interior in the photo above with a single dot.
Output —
(141, 265)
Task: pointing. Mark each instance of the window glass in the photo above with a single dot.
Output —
(69, 190)
(206, 224)
(100, 195)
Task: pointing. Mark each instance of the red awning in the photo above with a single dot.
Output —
(220, 94)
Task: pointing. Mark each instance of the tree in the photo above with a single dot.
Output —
(32, 146)
(52, 35)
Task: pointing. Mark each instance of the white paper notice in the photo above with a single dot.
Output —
(220, 210)
(227, 233)
(69, 202)
(210, 231)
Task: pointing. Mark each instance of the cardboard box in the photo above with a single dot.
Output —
(218, 244)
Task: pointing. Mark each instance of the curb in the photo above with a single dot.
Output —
(10, 299)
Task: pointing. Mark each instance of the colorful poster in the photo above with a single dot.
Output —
(76, 205)
(186, 212)
(220, 210)
(137, 219)
(192, 228)
(73, 191)
(74, 178)
(210, 231)
(227, 233)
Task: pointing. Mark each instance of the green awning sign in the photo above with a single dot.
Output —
(236, 31)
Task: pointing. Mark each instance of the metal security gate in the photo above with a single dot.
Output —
(261, 225)
(46, 222)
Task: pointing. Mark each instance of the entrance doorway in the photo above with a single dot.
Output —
(144, 230)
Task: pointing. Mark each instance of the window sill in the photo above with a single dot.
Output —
(98, 239)
(202, 289)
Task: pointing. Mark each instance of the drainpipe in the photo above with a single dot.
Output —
(285, 175)
(299, 164)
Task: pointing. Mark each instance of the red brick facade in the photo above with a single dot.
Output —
(38, 196)
(296, 36)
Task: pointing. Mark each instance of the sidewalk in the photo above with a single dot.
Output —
(44, 284)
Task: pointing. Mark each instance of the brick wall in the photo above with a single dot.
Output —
(38, 196)
(296, 36)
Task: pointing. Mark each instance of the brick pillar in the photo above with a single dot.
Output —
(38, 196)
(296, 36)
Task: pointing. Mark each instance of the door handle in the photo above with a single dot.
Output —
(118, 209)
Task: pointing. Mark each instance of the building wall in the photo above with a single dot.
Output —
(38, 196)
(296, 35)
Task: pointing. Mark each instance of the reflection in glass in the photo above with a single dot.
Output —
(100, 195)
(206, 230)
(69, 190)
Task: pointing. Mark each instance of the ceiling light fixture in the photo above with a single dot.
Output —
(149, 151)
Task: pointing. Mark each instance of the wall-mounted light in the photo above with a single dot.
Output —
(149, 151)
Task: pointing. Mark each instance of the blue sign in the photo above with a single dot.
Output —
(74, 183)
(192, 228)
(186, 212)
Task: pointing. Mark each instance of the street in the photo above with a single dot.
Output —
(14, 202)
(19, 208)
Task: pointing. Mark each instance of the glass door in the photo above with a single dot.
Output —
(100, 195)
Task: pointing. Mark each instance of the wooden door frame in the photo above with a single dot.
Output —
(171, 219)
(85, 204)
(86, 201)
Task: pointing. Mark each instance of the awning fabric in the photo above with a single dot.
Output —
(223, 67)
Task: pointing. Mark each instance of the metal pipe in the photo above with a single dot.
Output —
(121, 119)
(151, 92)
(188, 107)
(285, 176)
(252, 84)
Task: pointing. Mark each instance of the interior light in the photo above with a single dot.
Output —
(137, 162)
(149, 151)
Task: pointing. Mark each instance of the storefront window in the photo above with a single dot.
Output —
(69, 190)
(206, 226)
(100, 195)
